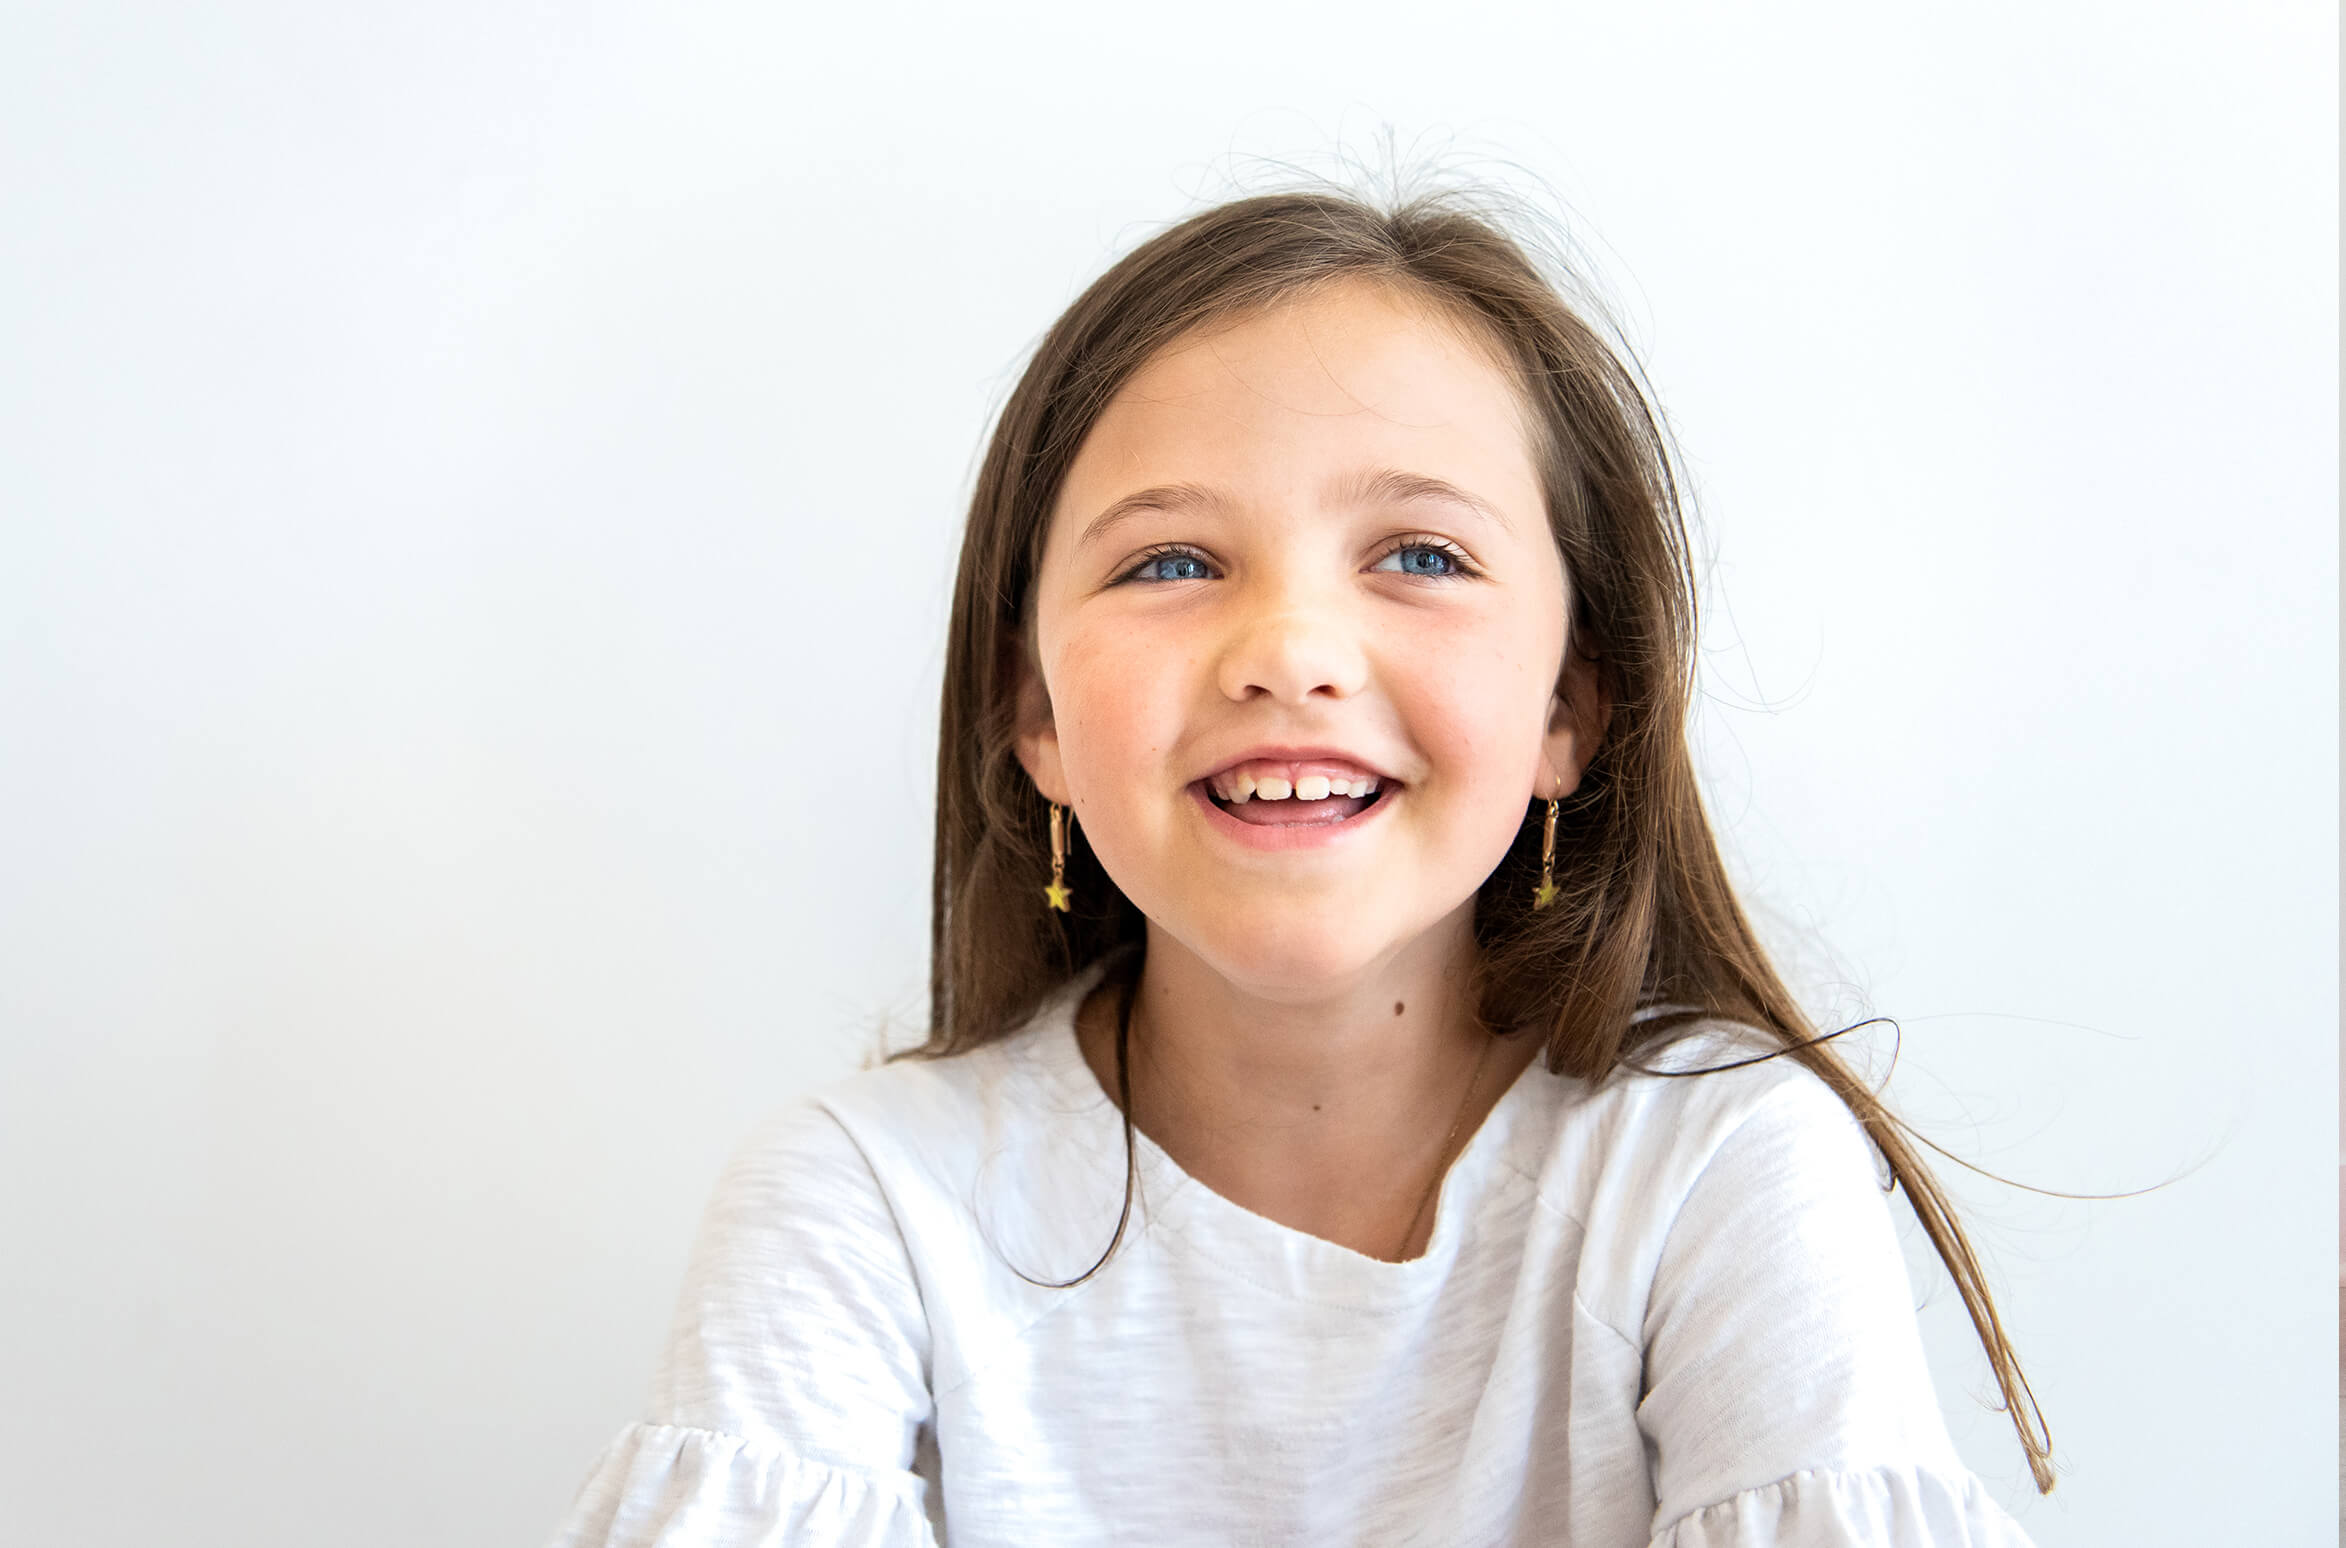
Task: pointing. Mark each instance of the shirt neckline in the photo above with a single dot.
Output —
(1233, 1238)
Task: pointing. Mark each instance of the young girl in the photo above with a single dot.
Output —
(1356, 1110)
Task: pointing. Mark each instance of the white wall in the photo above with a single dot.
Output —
(478, 487)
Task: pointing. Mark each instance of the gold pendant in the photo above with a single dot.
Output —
(1055, 895)
(1547, 890)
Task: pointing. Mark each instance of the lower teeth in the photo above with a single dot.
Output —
(1372, 799)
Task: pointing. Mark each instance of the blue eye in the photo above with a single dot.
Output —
(1428, 559)
(1434, 561)
(1169, 567)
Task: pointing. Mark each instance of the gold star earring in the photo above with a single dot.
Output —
(1056, 894)
(1547, 892)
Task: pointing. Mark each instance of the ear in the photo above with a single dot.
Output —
(1577, 717)
(1037, 735)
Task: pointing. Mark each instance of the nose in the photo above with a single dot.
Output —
(1292, 644)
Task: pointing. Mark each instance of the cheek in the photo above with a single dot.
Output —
(1479, 695)
(1478, 711)
(1115, 708)
(1119, 714)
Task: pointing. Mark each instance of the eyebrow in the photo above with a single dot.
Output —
(1392, 486)
(1373, 486)
(1170, 499)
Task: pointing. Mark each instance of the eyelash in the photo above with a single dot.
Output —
(1462, 568)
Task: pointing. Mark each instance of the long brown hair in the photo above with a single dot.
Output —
(1645, 917)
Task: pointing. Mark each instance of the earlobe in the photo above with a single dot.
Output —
(1578, 716)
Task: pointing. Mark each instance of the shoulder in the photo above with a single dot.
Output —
(1732, 1112)
(815, 1189)
(859, 1153)
(1710, 1119)
(1723, 1096)
(958, 1171)
(830, 1230)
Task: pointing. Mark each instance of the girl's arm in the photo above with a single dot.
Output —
(1787, 1400)
(795, 1384)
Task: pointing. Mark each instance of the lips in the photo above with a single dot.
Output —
(1282, 796)
(1280, 787)
(1291, 826)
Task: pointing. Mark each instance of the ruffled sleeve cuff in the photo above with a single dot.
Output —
(1882, 1507)
(665, 1486)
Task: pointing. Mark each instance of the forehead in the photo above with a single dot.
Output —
(1348, 377)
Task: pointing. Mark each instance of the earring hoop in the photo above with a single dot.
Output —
(1547, 889)
(1055, 895)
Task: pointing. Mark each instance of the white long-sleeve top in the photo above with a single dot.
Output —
(1654, 1310)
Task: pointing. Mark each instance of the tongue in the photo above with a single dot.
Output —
(1294, 813)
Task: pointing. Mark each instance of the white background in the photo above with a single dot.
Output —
(479, 486)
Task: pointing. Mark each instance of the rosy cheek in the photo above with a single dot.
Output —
(1099, 722)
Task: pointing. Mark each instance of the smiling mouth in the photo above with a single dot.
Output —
(1295, 812)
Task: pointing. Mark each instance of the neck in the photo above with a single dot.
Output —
(1328, 1106)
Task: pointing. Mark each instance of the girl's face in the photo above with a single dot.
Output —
(1309, 548)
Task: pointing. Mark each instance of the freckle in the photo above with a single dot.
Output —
(1315, 1107)
(1396, 1007)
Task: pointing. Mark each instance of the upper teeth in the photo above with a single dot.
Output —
(1241, 786)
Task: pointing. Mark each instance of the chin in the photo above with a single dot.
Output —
(1288, 957)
